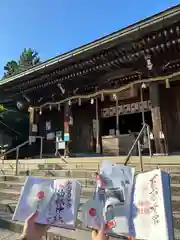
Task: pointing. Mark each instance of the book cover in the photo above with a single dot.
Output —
(57, 201)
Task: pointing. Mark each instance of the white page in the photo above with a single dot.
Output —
(64, 203)
(52, 210)
(114, 194)
(29, 200)
(150, 220)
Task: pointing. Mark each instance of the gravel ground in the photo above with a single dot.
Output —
(8, 235)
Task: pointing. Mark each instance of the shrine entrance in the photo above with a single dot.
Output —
(121, 125)
(127, 123)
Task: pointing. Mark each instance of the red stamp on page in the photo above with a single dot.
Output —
(40, 195)
(92, 212)
(111, 224)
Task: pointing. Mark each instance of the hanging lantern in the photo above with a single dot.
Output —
(114, 96)
(71, 121)
(79, 102)
(143, 86)
(50, 107)
(59, 107)
(92, 100)
(148, 62)
(102, 96)
(69, 102)
(40, 111)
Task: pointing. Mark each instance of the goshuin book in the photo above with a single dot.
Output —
(130, 205)
(56, 201)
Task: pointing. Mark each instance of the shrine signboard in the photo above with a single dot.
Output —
(126, 109)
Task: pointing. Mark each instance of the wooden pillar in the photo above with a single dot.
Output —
(31, 121)
(33, 124)
(117, 118)
(98, 148)
(156, 118)
(68, 122)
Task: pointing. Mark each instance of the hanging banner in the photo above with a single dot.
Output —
(34, 128)
(50, 136)
(48, 125)
(66, 137)
(66, 127)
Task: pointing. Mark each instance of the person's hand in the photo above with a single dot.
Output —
(99, 234)
(32, 230)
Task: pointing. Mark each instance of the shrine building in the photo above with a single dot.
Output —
(97, 97)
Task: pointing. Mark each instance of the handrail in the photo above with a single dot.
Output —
(21, 145)
(14, 149)
(145, 126)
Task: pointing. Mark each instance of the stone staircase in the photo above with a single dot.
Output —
(83, 169)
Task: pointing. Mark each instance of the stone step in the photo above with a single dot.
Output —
(86, 193)
(10, 205)
(89, 180)
(63, 173)
(78, 172)
(17, 185)
(174, 159)
(175, 177)
(81, 163)
(88, 186)
(15, 193)
(21, 179)
(86, 173)
(8, 235)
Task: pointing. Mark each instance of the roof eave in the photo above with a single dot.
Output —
(165, 15)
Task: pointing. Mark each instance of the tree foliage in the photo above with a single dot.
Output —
(27, 59)
(10, 68)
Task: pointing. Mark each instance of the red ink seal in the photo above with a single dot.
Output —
(40, 195)
(92, 212)
(111, 224)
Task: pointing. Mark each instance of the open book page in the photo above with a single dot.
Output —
(35, 195)
(150, 220)
(57, 201)
(64, 204)
(114, 195)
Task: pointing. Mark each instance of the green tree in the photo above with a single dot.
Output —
(28, 58)
(10, 68)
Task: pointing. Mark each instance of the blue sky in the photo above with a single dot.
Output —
(56, 26)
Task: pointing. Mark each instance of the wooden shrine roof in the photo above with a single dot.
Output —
(120, 53)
